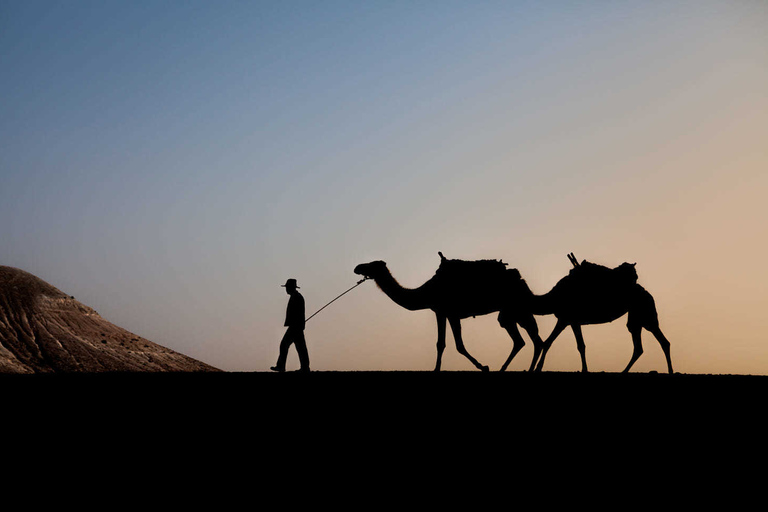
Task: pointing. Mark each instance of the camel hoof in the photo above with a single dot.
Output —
(485, 368)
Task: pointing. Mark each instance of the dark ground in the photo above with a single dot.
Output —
(319, 400)
(388, 438)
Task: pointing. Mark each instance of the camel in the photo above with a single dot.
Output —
(462, 289)
(594, 294)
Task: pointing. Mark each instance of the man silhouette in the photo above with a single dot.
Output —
(294, 320)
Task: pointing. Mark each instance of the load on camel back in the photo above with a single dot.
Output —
(624, 274)
(480, 281)
(594, 287)
(474, 270)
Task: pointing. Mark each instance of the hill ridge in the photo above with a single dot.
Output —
(44, 330)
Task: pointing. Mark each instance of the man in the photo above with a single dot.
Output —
(294, 320)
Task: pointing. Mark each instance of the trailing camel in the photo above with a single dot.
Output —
(594, 294)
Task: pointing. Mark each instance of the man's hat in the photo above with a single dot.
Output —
(290, 283)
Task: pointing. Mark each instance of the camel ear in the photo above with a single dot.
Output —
(634, 264)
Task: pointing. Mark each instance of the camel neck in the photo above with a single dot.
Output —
(542, 304)
(411, 299)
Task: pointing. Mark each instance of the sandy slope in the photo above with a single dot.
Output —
(44, 330)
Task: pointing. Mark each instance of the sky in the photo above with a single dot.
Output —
(171, 164)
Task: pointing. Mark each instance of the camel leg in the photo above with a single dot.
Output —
(638, 346)
(530, 326)
(581, 346)
(664, 345)
(440, 340)
(645, 315)
(518, 344)
(559, 327)
(456, 328)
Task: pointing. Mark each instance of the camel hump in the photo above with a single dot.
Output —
(490, 270)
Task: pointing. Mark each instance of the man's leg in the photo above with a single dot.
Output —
(284, 345)
(301, 348)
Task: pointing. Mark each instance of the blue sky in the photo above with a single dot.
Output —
(172, 163)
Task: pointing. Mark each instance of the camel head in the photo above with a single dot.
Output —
(371, 270)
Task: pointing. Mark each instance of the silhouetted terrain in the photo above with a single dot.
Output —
(44, 330)
(466, 397)
(363, 436)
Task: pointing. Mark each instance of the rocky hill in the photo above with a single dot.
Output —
(43, 330)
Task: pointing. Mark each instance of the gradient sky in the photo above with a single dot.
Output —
(170, 164)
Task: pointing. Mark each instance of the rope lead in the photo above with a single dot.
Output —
(322, 308)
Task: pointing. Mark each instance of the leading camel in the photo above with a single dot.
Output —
(594, 294)
(460, 289)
